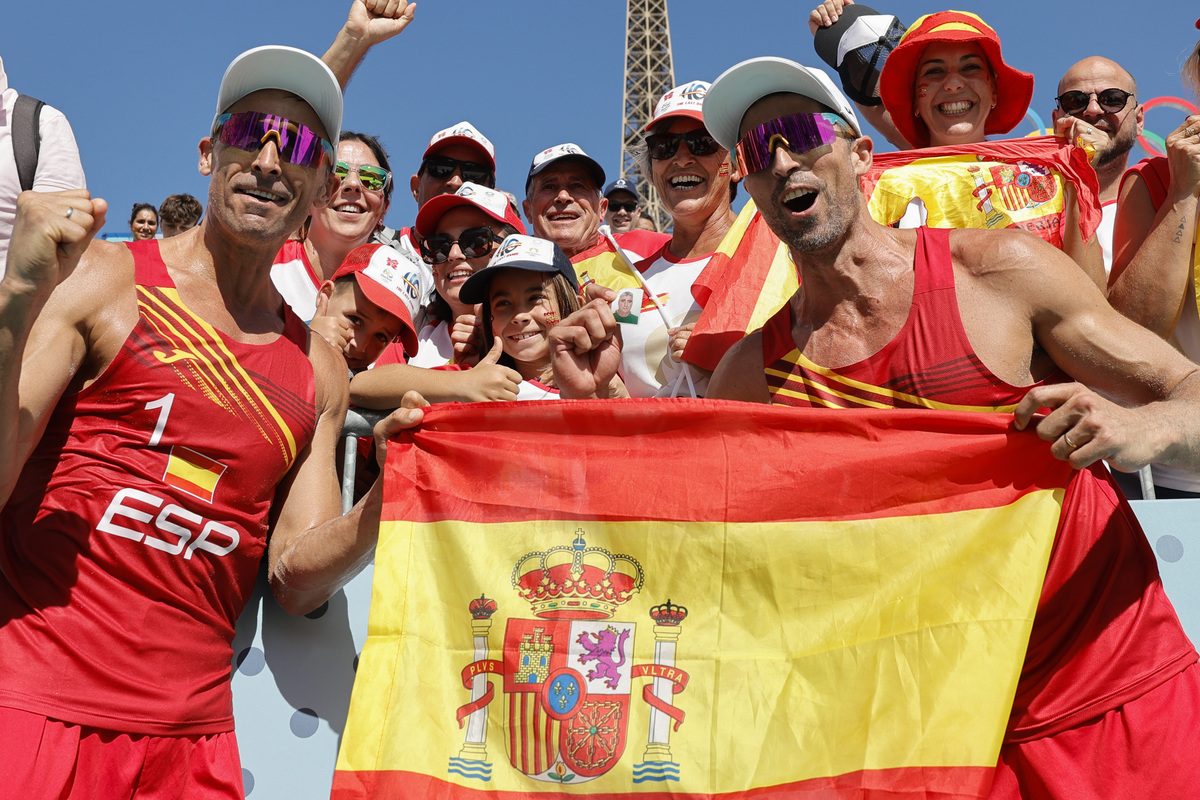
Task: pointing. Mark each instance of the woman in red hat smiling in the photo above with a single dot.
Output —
(946, 84)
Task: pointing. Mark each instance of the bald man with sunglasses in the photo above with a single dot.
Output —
(161, 410)
(1097, 105)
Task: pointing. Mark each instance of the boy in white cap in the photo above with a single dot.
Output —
(161, 407)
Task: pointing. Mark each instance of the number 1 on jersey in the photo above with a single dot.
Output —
(163, 403)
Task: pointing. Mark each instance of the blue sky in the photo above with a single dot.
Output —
(139, 81)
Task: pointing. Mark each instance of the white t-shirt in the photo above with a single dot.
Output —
(1104, 233)
(434, 348)
(58, 164)
(645, 363)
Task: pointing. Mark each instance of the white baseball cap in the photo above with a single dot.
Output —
(685, 100)
(289, 69)
(463, 133)
(563, 151)
(744, 84)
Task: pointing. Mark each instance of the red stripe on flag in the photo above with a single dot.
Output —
(910, 783)
(461, 447)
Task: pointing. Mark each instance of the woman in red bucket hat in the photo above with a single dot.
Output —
(944, 84)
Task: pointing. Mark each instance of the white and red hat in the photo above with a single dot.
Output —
(685, 100)
(391, 279)
(466, 134)
(559, 152)
(491, 202)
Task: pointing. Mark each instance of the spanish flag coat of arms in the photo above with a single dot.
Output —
(700, 599)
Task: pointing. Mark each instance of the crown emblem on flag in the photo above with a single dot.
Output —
(576, 581)
(483, 607)
(668, 614)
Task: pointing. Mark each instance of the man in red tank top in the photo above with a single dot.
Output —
(1108, 703)
(160, 410)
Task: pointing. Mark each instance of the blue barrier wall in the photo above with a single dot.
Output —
(293, 675)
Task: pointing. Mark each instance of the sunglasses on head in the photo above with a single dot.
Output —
(797, 133)
(1110, 101)
(473, 242)
(374, 178)
(628, 206)
(664, 145)
(442, 167)
(249, 130)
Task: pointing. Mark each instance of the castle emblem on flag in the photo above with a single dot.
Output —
(568, 672)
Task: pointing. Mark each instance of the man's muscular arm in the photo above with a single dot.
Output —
(43, 332)
(369, 23)
(1137, 399)
(740, 374)
(314, 550)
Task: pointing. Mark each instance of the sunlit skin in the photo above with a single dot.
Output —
(449, 277)
(691, 186)
(520, 299)
(258, 195)
(806, 199)
(564, 205)
(954, 93)
(144, 225)
(355, 211)
(361, 328)
(425, 186)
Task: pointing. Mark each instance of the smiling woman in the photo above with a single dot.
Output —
(354, 212)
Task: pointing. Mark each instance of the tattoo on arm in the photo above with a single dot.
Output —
(1179, 231)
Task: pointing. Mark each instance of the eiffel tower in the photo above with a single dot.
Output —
(649, 74)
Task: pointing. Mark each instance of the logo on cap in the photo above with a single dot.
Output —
(508, 248)
(696, 90)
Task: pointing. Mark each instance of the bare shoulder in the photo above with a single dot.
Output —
(740, 375)
(1020, 267)
(332, 381)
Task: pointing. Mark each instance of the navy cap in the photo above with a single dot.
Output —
(623, 185)
(519, 252)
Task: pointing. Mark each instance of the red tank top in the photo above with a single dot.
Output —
(929, 363)
(1105, 632)
(132, 540)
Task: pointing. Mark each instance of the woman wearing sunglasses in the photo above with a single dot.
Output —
(691, 174)
(458, 234)
(354, 212)
(1154, 249)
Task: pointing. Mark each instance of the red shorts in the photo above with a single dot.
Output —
(45, 758)
(1148, 749)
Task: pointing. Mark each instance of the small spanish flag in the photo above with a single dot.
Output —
(192, 472)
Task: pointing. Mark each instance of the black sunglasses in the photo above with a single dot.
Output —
(628, 205)
(442, 167)
(1110, 101)
(664, 145)
(473, 242)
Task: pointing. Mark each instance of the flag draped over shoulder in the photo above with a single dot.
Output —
(1014, 183)
(698, 598)
(602, 264)
(748, 279)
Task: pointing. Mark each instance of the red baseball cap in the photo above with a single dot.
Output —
(390, 279)
(490, 201)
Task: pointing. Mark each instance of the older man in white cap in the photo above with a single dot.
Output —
(986, 321)
(161, 408)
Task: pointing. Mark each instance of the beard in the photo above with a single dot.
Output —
(819, 232)
(1119, 146)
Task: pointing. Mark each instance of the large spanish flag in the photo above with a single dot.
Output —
(698, 598)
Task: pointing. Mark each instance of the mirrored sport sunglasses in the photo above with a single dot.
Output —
(374, 178)
(664, 145)
(442, 167)
(473, 242)
(1110, 101)
(798, 133)
(298, 144)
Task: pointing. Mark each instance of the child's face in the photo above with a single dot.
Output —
(364, 328)
(520, 300)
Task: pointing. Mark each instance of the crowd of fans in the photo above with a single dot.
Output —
(579, 299)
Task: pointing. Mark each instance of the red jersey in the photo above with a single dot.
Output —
(1105, 633)
(133, 538)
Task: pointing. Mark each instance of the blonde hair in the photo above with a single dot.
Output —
(1191, 70)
